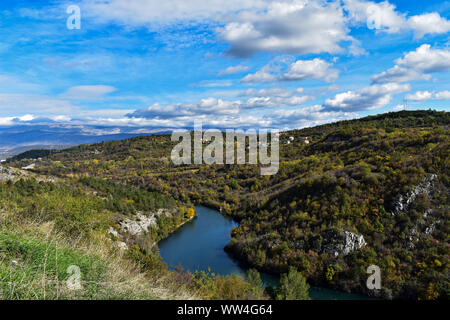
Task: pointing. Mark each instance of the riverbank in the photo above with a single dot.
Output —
(200, 244)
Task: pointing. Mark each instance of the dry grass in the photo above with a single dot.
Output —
(34, 258)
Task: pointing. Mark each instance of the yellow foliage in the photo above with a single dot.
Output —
(190, 213)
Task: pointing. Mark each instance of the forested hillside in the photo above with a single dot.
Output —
(372, 191)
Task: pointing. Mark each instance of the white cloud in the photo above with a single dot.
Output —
(416, 65)
(274, 92)
(427, 95)
(399, 107)
(309, 116)
(426, 59)
(399, 74)
(7, 121)
(90, 92)
(383, 17)
(272, 102)
(443, 95)
(282, 26)
(100, 132)
(233, 70)
(261, 99)
(428, 24)
(204, 106)
(250, 25)
(373, 97)
(295, 71)
(61, 118)
(296, 27)
(420, 96)
(263, 75)
(310, 69)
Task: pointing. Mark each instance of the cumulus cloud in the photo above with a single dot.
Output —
(443, 95)
(280, 119)
(427, 95)
(310, 69)
(416, 65)
(296, 71)
(61, 118)
(372, 97)
(256, 99)
(264, 75)
(426, 59)
(308, 116)
(428, 24)
(6, 121)
(205, 106)
(419, 96)
(272, 102)
(399, 74)
(400, 107)
(296, 27)
(282, 26)
(383, 17)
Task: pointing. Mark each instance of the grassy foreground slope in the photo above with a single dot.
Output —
(54, 232)
(50, 233)
(384, 178)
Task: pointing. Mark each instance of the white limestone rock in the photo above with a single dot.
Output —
(342, 243)
(139, 225)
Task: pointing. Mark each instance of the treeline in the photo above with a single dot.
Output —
(128, 199)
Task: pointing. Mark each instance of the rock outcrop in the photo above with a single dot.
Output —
(341, 242)
(404, 201)
(139, 225)
(425, 225)
(6, 173)
(132, 229)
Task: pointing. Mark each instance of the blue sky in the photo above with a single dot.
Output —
(247, 63)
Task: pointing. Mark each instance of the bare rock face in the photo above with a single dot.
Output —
(139, 225)
(404, 201)
(426, 225)
(342, 242)
(6, 173)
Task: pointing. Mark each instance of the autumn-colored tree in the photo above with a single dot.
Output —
(190, 213)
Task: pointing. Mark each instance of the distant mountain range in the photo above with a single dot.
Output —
(10, 152)
(20, 138)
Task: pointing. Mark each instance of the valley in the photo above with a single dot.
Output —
(372, 191)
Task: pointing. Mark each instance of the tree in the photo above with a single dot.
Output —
(190, 213)
(255, 283)
(254, 278)
(292, 286)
